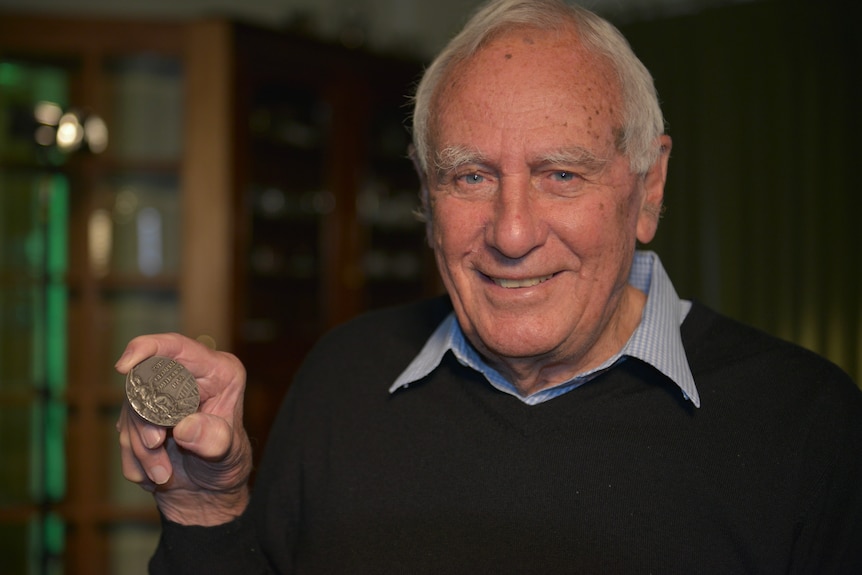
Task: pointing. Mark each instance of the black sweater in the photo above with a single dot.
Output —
(622, 475)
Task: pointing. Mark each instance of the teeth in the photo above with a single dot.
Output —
(511, 284)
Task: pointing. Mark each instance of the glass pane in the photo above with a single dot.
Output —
(138, 232)
(33, 212)
(142, 313)
(17, 447)
(137, 313)
(30, 547)
(31, 100)
(18, 306)
(15, 547)
(33, 260)
(147, 95)
(131, 548)
(289, 200)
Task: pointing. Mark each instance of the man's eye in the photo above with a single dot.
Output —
(565, 176)
(473, 178)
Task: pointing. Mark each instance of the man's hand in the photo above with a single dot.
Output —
(198, 471)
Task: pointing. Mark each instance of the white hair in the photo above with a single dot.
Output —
(642, 120)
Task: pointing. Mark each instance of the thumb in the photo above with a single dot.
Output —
(205, 435)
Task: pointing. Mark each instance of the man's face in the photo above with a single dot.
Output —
(535, 213)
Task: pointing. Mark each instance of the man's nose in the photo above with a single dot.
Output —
(517, 227)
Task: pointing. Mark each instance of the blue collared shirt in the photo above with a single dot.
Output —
(656, 341)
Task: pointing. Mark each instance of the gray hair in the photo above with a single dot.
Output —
(642, 121)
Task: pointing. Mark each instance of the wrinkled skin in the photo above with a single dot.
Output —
(198, 471)
(535, 213)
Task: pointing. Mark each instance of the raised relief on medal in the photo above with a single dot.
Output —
(162, 391)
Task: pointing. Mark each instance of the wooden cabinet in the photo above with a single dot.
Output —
(255, 189)
(122, 229)
(321, 168)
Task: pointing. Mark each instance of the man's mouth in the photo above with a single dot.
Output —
(522, 283)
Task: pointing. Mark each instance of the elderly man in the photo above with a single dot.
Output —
(562, 409)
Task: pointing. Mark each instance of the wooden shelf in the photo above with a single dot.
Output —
(167, 283)
(108, 514)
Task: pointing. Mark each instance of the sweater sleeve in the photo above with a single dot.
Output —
(229, 548)
(265, 538)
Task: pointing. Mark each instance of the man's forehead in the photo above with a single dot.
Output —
(560, 52)
(521, 69)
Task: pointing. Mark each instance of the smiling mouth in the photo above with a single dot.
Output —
(524, 283)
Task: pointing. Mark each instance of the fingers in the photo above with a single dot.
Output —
(207, 455)
(132, 469)
(142, 450)
(140, 348)
(220, 375)
(207, 436)
(194, 355)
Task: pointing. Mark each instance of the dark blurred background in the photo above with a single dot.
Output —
(237, 171)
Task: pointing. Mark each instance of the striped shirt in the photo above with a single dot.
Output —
(656, 341)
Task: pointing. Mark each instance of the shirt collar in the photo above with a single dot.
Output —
(656, 341)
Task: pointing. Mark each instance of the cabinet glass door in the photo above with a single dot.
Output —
(34, 200)
(90, 153)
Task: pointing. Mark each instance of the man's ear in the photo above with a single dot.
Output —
(653, 193)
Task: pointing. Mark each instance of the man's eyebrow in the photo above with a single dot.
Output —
(576, 157)
(452, 157)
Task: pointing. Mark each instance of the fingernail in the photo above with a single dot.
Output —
(152, 438)
(122, 359)
(159, 475)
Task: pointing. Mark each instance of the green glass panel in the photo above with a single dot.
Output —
(22, 87)
(18, 209)
(55, 447)
(11, 74)
(50, 85)
(38, 284)
(36, 475)
(56, 296)
(34, 211)
(54, 544)
(32, 547)
(17, 331)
